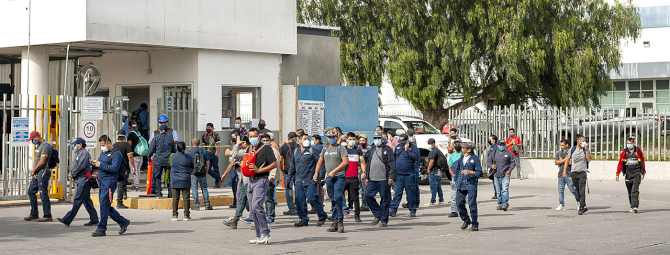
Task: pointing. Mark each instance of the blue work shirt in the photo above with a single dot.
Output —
(405, 160)
(504, 161)
(81, 162)
(317, 148)
(143, 119)
(110, 162)
(181, 167)
(162, 147)
(303, 165)
(467, 181)
(175, 136)
(205, 155)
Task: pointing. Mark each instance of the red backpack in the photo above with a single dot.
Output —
(248, 159)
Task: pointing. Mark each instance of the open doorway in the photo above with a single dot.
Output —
(136, 96)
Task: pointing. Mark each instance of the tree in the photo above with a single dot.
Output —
(454, 54)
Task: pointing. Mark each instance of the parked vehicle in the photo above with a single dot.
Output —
(422, 131)
(612, 122)
(446, 128)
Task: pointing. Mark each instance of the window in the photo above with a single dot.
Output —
(243, 102)
(421, 127)
(392, 125)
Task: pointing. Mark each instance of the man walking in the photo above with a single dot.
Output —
(336, 159)
(79, 174)
(631, 163)
(201, 161)
(356, 163)
(467, 169)
(212, 143)
(503, 162)
(302, 168)
(579, 157)
(160, 150)
(453, 157)
(261, 127)
(365, 147)
(379, 177)
(561, 159)
(108, 165)
(40, 178)
(513, 144)
(239, 150)
(434, 173)
(258, 186)
(286, 154)
(493, 141)
(406, 154)
(417, 165)
(124, 170)
(138, 160)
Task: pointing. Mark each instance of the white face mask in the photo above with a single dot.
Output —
(104, 148)
(305, 143)
(582, 144)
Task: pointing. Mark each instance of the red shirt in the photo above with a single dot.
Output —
(509, 140)
(354, 158)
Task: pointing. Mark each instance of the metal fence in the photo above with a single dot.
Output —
(183, 116)
(542, 129)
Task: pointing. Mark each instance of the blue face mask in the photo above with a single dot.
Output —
(511, 135)
(352, 143)
(253, 141)
(412, 139)
(501, 148)
(630, 146)
(266, 143)
(332, 141)
(35, 142)
(76, 149)
(237, 125)
(378, 142)
(311, 143)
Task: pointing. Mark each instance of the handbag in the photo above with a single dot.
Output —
(92, 179)
(491, 170)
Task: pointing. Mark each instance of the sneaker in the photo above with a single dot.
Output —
(520, 178)
(375, 222)
(465, 225)
(269, 221)
(254, 241)
(231, 224)
(98, 234)
(560, 208)
(440, 203)
(320, 223)
(474, 228)
(187, 218)
(499, 207)
(121, 206)
(333, 227)
(494, 197)
(209, 208)
(504, 208)
(404, 205)
(265, 239)
(174, 218)
(340, 227)
(90, 223)
(300, 224)
(31, 217)
(412, 214)
(630, 210)
(195, 208)
(292, 213)
(578, 205)
(247, 220)
(346, 214)
(587, 209)
(63, 221)
(635, 210)
(45, 219)
(383, 224)
(124, 227)
(580, 212)
(430, 204)
(330, 218)
(357, 218)
(392, 213)
(232, 206)
(452, 215)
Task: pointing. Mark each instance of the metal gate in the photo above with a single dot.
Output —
(182, 111)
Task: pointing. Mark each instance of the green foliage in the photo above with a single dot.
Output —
(560, 52)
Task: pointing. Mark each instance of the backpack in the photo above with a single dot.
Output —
(53, 158)
(249, 158)
(142, 147)
(199, 163)
(168, 132)
(442, 161)
(573, 150)
(136, 118)
(289, 156)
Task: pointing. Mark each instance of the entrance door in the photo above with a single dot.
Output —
(136, 96)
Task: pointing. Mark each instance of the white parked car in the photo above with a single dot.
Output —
(422, 131)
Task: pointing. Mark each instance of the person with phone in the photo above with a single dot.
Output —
(81, 166)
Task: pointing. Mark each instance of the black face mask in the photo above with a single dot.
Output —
(453, 137)
(233, 139)
(261, 126)
(457, 148)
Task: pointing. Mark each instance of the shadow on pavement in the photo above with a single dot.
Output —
(505, 228)
(529, 208)
(312, 239)
(159, 232)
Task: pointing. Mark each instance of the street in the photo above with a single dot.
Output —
(530, 226)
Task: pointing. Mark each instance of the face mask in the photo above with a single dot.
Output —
(311, 143)
(306, 143)
(332, 141)
(352, 143)
(412, 139)
(511, 135)
(457, 148)
(384, 141)
(227, 115)
(582, 144)
(268, 143)
(253, 141)
(490, 143)
(364, 145)
(501, 148)
(76, 149)
(233, 139)
(630, 146)
(209, 130)
(343, 143)
(104, 148)
(378, 142)
(237, 126)
(261, 126)
(35, 142)
(453, 137)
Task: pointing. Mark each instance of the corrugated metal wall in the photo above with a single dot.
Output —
(56, 76)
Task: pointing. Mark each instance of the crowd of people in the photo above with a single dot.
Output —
(367, 171)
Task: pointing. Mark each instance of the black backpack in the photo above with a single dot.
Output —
(53, 158)
(289, 156)
(199, 163)
(442, 161)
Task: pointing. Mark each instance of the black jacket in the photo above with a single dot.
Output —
(387, 156)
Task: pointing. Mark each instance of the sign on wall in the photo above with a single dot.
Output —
(310, 116)
(89, 131)
(20, 131)
(91, 108)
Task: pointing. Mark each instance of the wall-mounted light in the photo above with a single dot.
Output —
(646, 44)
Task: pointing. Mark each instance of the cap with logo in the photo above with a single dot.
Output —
(377, 134)
(331, 133)
(410, 131)
(78, 140)
(33, 135)
(431, 141)
(402, 138)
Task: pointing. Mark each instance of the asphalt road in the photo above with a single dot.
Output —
(530, 226)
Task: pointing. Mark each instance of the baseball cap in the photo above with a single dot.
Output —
(132, 123)
(163, 127)
(377, 134)
(410, 131)
(431, 141)
(364, 136)
(78, 140)
(328, 129)
(292, 135)
(331, 133)
(402, 138)
(121, 132)
(33, 135)
(469, 146)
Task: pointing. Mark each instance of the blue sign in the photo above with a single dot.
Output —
(20, 131)
(169, 103)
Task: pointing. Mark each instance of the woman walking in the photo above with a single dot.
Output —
(181, 166)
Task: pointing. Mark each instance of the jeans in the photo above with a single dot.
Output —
(407, 183)
(241, 200)
(633, 187)
(454, 206)
(186, 193)
(138, 166)
(351, 186)
(361, 190)
(379, 210)
(270, 200)
(234, 179)
(472, 203)
(256, 193)
(40, 184)
(417, 191)
(579, 180)
(288, 192)
(502, 187)
(214, 168)
(157, 179)
(82, 197)
(436, 187)
(202, 182)
(105, 194)
(517, 160)
(123, 184)
(562, 182)
(335, 189)
(309, 194)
